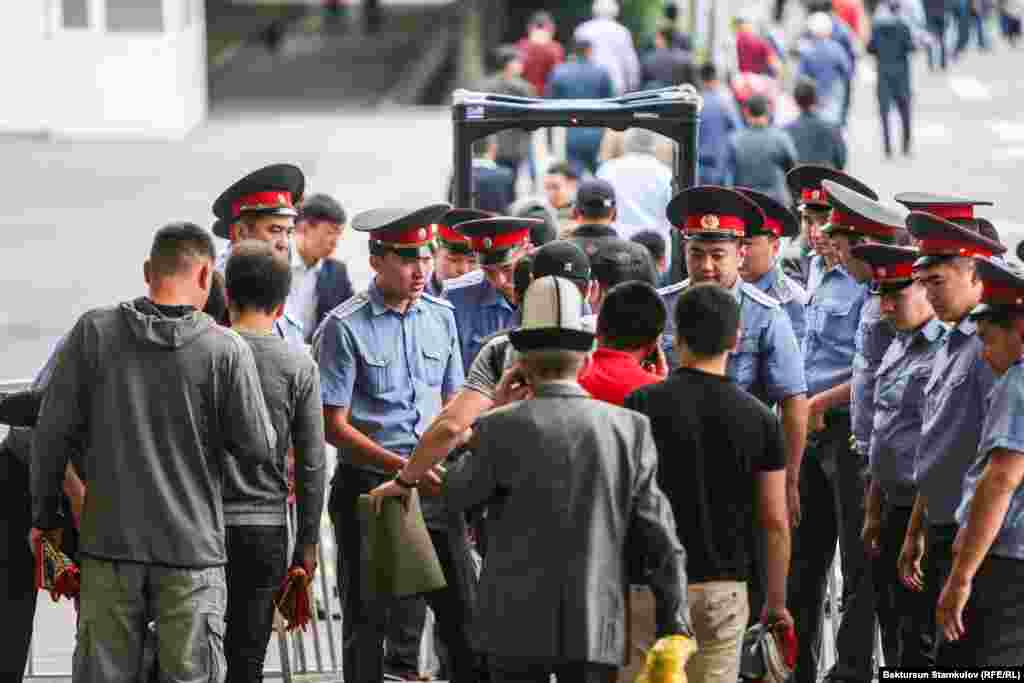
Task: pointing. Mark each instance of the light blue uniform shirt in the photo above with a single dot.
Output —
(899, 398)
(874, 335)
(790, 295)
(480, 311)
(833, 315)
(768, 363)
(954, 411)
(1003, 430)
(392, 370)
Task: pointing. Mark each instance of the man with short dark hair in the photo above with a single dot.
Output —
(594, 212)
(629, 325)
(494, 186)
(586, 80)
(560, 186)
(513, 143)
(255, 498)
(722, 463)
(617, 261)
(760, 156)
(816, 141)
(655, 245)
(155, 388)
(319, 282)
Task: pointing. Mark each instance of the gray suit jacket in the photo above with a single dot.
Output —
(570, 483)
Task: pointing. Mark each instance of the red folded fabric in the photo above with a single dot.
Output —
(55, 572)
(292, 599)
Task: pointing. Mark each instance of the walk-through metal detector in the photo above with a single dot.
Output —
(673, 112)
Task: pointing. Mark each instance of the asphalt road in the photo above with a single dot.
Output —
(78, 217)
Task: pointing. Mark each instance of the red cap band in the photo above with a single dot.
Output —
(841, 219)
(999, 293)
(773, 226)
(710, 222)
(950, 212)
(447, 234)
(274, 199)
(486, 243)
(893, 273)
(947, 247)
(407, 237)
(815, 195)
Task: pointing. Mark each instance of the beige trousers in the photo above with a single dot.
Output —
(719, 611)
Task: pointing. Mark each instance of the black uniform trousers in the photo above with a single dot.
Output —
(17, 582)
(832, 479)
(906, 617)
(364, 625)
(894, 89)
(526, 670)
(993, 618)
(938, 563)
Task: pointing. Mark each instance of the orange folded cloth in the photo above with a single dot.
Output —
(55, 572)
(292, 599)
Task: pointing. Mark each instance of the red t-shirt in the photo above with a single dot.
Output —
(753, 53)
(539, 60)
(613, 375)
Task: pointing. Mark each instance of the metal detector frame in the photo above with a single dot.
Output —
(673, 112)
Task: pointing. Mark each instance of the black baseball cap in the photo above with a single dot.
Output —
(561, 259)
(595, 193)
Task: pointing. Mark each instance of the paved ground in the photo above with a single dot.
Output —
(79, 216)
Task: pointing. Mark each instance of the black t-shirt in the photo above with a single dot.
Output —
(713, 440)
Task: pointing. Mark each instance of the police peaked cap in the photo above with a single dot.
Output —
(855, 213)
(940, 240)
(943, 206)
(779, 220)
(709, 212)
(449, 237)
(407, 232)
(892, 267)
(805, 185)
(1003, 288)
(497, 238)
(272, 190)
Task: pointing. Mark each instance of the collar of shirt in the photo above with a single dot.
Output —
(966, 327)
(765, 282)
(484, 163)
(378, 306)
(930, 331)
(299, 264)
(492, 297)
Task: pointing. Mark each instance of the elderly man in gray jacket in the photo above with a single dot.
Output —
(570, 482)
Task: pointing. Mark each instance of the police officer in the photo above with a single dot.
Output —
(832, 476)
(904, 615)
(484, 300)
(453, 254)
(389, 357)
(807, 258)
(955, 397)
(985, 589)
(761, 266)
(767, 363)
(261, 206)
(959, 210)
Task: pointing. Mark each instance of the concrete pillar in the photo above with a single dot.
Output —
(108, 68)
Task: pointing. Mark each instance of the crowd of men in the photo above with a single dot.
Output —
(631, 462)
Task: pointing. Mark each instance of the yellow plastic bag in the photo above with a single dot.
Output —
(666, 660)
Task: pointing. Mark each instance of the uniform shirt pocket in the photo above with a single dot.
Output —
(434, 361)
(832, 323)
(380, 374)
(745, 360)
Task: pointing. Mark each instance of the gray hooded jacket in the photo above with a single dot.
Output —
(151, 402)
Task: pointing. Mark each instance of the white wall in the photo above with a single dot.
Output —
(87, 83)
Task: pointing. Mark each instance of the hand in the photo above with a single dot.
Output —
(815, 417)
(308, 560)
(77, 500)
(55, 536)
(777, 616)
(793, 501)
(512, 387)
(661, 365)
(430, 484)
(389, 489)
(909, 563)
(958, 542)
(949, 613)
(871, 537)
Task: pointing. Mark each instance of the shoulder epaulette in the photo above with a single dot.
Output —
(790, 290)
(437, 300)
(350, 306)
(758, 296)
(674, 288)
(473, 277)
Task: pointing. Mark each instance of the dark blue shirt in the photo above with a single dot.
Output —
(480, 311)
(874, 335)
(718, 120)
